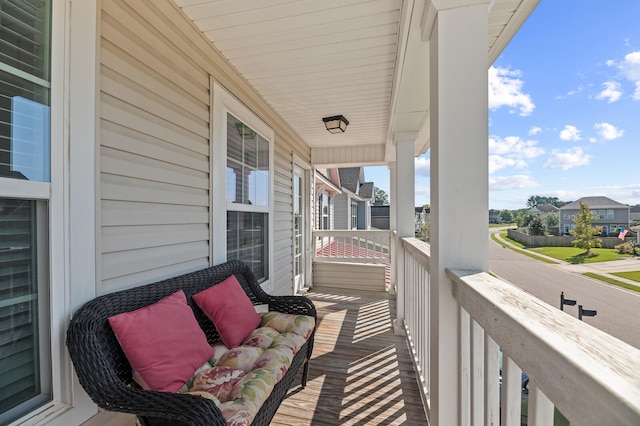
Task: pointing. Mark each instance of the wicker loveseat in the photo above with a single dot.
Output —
(105, 372)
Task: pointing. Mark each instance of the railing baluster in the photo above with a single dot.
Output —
(477, 374)
(492, 381)
(511, 394)
(540, 407)
(465, 367)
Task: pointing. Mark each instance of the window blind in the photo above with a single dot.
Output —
(19, 363)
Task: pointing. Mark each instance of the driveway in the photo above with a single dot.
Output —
(618, 309)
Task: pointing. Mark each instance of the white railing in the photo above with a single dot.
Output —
(591, 377)
(416, 314)
(353, 246)
(571, 368)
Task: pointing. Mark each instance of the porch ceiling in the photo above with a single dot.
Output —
(362, 59)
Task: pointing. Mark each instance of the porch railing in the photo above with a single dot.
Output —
(591, 377)
(353, 246)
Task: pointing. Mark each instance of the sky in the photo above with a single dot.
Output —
(564, 108)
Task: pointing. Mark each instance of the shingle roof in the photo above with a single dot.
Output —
(547, 208)
(418, 209)
(595, 203)
(349, 177)
(366, 190)
(635, 209)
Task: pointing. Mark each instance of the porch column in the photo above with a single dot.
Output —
(404, 212)
(392, 225)
(457, 34)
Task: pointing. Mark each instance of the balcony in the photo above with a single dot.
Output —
(587, 375)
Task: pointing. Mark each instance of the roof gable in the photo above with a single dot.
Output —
(595, 203)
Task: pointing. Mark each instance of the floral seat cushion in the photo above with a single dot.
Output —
(239, 380)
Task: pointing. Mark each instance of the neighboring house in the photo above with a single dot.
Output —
(380, 216)
(634, 213)
(327, 186)
(610, 215)
(421, 216)
(543, 210)
(353, 206)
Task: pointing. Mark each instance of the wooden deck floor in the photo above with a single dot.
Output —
(360, 373)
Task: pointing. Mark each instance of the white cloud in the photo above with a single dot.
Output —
(570, 133)
(502, 183)
(610, 62)
(505, 89)
(422, 166)
(511, 151)
(612, 92)
(608, 131)
(534, 130)
(565, 160)
(630, 68)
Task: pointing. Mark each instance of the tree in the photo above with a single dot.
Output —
(506, 216)
(380, 196)
(585, 233)
(424, 231)
(551, 220)
(536, 200)
(536, 227)
(523, 218)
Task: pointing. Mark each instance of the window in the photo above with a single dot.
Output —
(323, 222)
(354, 215)
(25, 89)
(25, 44)
(247, 197)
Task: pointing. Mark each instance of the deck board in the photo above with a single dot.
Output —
(360, 372)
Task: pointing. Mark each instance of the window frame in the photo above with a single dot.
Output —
(225, 103)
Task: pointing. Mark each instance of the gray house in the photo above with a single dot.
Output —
(353, 206)
(610, 215)
(634, 213)
(543, 210)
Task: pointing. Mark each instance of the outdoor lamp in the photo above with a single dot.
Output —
(336, 124)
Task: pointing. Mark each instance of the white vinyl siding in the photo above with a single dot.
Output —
(154, 148)
(341, 219)
(154, 154)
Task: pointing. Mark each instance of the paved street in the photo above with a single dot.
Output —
(618, 308)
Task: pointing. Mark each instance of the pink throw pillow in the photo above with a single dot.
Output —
(230, 309)
(163, 343)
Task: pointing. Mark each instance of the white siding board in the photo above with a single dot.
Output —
(125, 164)
(120, 188)
(123, 213)
(349, 275)
(117, 60)
(134, 48)
(124, 139)
(129, 116)
(151, 275)
(133, 94)
(119, 238)
(132, 261)
(159, 40)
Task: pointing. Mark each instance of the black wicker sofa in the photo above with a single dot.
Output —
(106, 375)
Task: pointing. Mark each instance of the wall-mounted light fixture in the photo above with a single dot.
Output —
(244, 131)
(336, 124)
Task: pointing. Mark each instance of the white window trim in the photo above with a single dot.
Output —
(224, 102)
(308, 219)
(67, 237)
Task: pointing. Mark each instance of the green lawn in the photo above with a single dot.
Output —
(612, 281)
(631, 275)
(575, 255)
(522, 250)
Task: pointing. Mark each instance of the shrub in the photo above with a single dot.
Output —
(625, 248)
